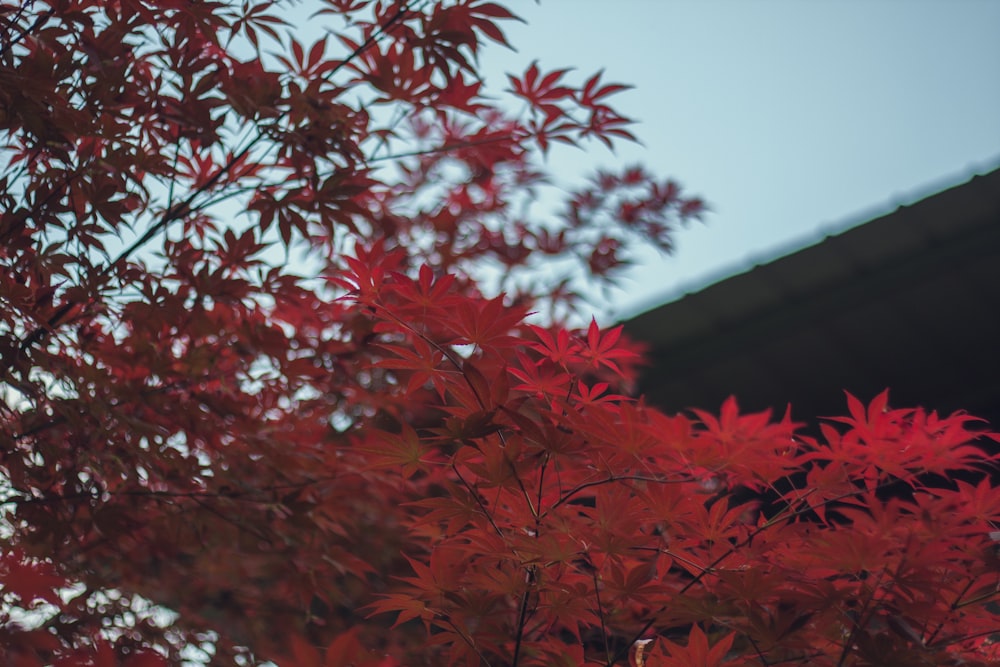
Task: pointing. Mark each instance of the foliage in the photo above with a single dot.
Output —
(364, 455)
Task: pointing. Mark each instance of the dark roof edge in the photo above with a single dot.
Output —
(910, 231)
(825, 233)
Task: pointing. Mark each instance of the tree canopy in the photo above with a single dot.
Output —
(288, 375)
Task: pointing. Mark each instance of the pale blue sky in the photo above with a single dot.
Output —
(793, 118)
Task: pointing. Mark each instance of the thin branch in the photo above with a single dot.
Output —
(479, 501)
(39, 22)
(468, 640)
(600, 613)
(541, 486)
(522, 615)
(859, 622)
(964, 638)
(953, 608)
(563, 499)
(764, 661)
(238, 524)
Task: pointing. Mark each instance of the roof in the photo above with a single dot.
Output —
(909, 301)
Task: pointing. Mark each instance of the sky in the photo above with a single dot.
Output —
(794, 119)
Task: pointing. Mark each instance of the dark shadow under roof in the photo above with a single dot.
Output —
(908, 301)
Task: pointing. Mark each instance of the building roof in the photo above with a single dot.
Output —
(909, 301)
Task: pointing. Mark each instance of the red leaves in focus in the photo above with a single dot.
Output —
(584, 507)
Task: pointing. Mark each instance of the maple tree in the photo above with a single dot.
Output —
(272, 392)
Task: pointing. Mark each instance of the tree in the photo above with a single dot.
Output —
(272, 391)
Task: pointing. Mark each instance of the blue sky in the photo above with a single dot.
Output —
(793, 119)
